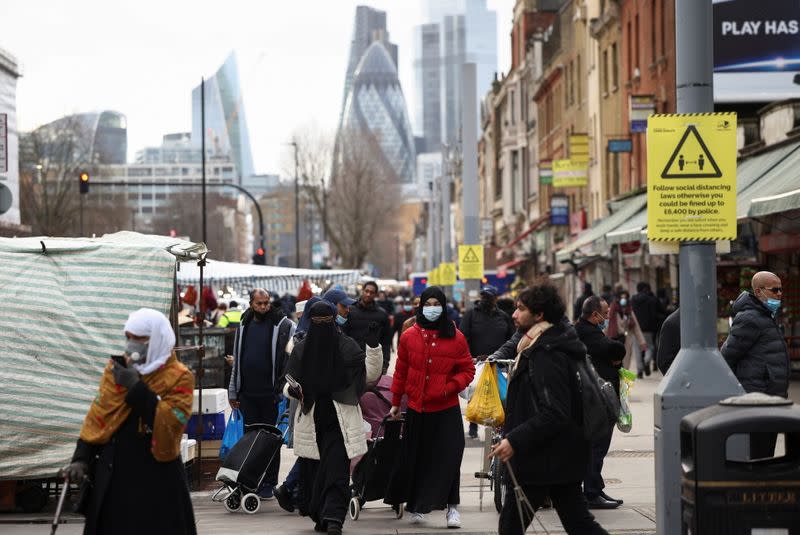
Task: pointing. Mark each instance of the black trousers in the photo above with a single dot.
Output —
(262, 410)
(330, 493)
(568, 501)
(593, 483)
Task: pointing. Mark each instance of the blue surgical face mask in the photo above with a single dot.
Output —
(408, 308)
(340, 320)
(623, 302)
(603, 326)
(432, 313)
(773, 304)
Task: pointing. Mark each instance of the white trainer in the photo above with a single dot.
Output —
(417, 518)
(453, 518)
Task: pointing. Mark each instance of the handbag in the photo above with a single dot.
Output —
(233, 432)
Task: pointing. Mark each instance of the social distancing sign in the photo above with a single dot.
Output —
(447, 273)
(691, 177)
(470, 262)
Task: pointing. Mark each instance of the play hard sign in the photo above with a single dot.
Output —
(691, 177)
(470, 262)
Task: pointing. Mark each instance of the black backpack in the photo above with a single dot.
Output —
(599, 401)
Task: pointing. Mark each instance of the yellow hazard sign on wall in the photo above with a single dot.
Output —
(447, 273)
(470, 262)
(691, 177)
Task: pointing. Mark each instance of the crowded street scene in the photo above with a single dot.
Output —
(400, 267)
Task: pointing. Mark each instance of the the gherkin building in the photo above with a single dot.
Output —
(376, 106)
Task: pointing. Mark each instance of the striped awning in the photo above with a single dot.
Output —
(278, 280)
(66, 303)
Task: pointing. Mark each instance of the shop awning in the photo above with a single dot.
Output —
(630, 230)
(775, 204)
(588, 238)
(766, 178)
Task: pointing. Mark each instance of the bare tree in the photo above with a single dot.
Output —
(357, 201)
(51, 158)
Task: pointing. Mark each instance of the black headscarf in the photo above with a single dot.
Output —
(445, 326)
(322, 370)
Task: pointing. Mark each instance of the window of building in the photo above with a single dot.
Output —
(614, 67)
(578, 78)
(630, 52)
(147, 209)
(161, 196)
(653, 17)
(512, 107)
(140, 171)
(498, 184)
(663, 18)
(605, 71)
(147, 196)
(133, 196)
(638, 64)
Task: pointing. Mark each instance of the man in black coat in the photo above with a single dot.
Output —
(606, 355)
(648, 310)
(368, 324)
(259, 361)
(756, 349)
(669, 341)
(544, 440)
(486, 329)
(578, 306)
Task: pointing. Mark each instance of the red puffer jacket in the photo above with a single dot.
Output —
(430, 370)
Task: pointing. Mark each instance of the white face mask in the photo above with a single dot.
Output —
(432, 313)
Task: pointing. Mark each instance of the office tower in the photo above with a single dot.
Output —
(226, 124)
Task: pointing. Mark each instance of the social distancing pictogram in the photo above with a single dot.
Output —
(691, 158)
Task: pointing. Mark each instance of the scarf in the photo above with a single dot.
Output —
(172, 382)
(153, 324)
(528, 339)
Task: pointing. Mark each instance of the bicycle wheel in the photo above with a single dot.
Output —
(499, 483)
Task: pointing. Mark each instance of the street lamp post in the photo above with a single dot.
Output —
(296, 207)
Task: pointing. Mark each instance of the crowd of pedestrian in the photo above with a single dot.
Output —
(331, 357)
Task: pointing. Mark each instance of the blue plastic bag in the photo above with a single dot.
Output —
(502, 383)
(233, 432)
(283, 420)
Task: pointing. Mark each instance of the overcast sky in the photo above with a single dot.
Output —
(143, 58)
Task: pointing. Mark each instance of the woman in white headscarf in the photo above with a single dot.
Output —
(129, 444)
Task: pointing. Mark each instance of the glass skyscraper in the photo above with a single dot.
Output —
(226, 125)
(454, 32)
(376, 106)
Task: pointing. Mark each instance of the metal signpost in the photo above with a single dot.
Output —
(699, 376)
(469, 136)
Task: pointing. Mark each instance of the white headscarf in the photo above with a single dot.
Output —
(149, 322)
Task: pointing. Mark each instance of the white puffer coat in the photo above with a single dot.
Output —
(351, 422)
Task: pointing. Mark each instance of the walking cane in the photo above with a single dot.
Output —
(61, 498)
(523, 505)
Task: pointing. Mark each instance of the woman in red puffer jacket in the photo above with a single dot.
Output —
(433, 366)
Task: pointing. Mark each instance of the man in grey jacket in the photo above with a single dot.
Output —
(259, 352)
(756, 349)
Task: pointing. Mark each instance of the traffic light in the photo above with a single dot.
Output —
(83, 180)
(260, 258)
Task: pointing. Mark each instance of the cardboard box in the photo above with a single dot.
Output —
(215, 400)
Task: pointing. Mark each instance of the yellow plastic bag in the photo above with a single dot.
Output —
(485, 407)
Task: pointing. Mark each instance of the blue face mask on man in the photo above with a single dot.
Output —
(604, 325)
(340, 320)
(432, 313)
(773, 304)
(408, 308)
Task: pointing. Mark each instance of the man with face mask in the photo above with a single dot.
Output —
(606, 355)
(259, 351)
(756, 349)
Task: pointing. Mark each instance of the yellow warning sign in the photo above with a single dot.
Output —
(433, 277)
(447, 273)
(691, 177)
(470, 262)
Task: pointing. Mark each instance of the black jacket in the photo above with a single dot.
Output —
(486, 330)
(669, 341)
(756, 349)
(281, 334)
(603, 351)
(647, 308)
(399, 319)
(369, 325)
(544, 411)
(124, 471)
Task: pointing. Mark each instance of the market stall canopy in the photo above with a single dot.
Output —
(770, 174)
(279, 280)
(67, 301)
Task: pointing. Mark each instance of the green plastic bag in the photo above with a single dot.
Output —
(625, 420)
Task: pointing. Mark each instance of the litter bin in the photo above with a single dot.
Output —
(724, 492)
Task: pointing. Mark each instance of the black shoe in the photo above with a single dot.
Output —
(609, 498)
(334, 528)
(598, 502)
(639, 374)
(284, 497)
(647, 370)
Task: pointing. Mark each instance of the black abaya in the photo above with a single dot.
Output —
(427, 478)
(331, 488)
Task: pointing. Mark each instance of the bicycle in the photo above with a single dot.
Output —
(496, 473)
